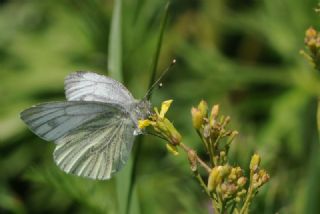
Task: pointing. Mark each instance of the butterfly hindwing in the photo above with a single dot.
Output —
(93, 139)
(97, 149)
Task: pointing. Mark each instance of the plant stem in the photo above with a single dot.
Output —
(223, 208)
(158, 49)
(246, 204)
(214, 206)
(211, 153)
(201, 182)
(199, 160)
(233, 206)
(199, 178)
(203, 140)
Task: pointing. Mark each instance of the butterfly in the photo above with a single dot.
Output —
(94, 129)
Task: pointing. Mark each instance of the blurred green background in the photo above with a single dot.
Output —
(241, 54)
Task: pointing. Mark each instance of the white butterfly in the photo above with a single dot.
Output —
(94, 129)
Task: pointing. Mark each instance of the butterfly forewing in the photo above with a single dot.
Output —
(52, 121)
(88, 86)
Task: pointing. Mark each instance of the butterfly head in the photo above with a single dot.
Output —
(143, 109)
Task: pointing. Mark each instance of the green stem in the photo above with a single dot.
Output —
(211, 153)
(246, 204)
(221, 203)
(223, 207)
(133, 173)
(204, 187)
(215, 207)
(158, 49)
(201, 182)
(233, 206)
(204, 142)
(318, 118)
(215, 149)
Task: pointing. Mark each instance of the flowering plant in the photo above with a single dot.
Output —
(227, 186)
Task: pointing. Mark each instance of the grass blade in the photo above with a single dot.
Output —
(115, 40)
(115, 71)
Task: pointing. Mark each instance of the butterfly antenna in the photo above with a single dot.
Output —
(150, 90)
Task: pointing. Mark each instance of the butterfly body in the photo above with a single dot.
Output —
(94, 129)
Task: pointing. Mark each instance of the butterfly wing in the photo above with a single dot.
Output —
(93, 139)
(97, 149)
(88, 86)
(53, 120)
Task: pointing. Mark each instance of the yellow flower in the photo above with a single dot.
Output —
(144, 123)
(162, 125)
(164, 108)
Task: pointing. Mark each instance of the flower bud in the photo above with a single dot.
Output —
(214, 179)
(311, 32)
(197, 118)
(264, 176)
(213, 115)
(224, 188)
(206, 131)
(192, 156)
(255, 162)
(232, 136)
(242, 181)
(203, 108)
(214, 111)
(242, 192)
(238, 171)
(232, 176)
(225, 170)
(232, 188)
(226, 120)
(255, 177)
